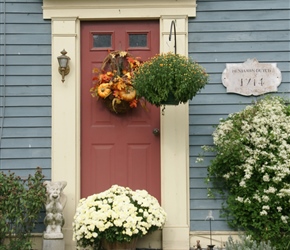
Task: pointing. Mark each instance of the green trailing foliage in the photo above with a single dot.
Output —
(20, 204)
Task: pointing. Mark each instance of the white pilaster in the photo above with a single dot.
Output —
(66, 117)
(174, 150)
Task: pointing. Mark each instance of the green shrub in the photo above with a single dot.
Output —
(246, 243)
(20, 204)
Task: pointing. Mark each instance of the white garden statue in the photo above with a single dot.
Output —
(55, 203)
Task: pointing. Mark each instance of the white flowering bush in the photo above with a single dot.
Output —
(118, 214)
(252, 169)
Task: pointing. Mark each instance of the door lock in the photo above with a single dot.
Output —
(156, 131)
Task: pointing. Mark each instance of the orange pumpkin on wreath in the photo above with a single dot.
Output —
(112, 83)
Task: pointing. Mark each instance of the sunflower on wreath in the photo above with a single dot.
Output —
(113, 82)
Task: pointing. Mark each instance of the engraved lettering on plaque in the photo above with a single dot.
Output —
(251, 77)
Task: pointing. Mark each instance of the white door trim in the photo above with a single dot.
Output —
(66, 17)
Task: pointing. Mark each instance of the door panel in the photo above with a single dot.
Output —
(117, 149)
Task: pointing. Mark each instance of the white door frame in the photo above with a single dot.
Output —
(66, 17)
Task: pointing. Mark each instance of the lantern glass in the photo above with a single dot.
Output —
(62, 61)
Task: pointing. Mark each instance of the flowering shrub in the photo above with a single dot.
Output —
(117, 214)
(252, 167)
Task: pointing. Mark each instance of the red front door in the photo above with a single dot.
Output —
(117, 149)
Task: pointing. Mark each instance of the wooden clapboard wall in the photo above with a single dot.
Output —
(25, 88)
(229, 31)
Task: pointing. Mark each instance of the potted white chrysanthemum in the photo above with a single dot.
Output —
(117, 216)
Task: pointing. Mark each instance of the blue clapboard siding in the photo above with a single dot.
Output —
(229, 32)
(25, 88)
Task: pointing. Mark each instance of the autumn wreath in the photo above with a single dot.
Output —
(112, 82)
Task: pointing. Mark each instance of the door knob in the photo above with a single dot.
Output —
(156, 131)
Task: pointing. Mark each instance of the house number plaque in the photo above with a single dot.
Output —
(251, 77)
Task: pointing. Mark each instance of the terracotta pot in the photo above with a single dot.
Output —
(119, 245)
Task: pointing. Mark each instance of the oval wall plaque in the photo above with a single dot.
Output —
(251, 77)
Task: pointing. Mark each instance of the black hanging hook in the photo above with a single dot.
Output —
(173, 24)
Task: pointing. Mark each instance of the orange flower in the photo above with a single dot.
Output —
(119, 84)
(105, 78)
(128, 75)
(116, 93)
(133, 62)
(133, 103)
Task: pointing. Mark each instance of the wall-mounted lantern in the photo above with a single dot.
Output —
(63, 68)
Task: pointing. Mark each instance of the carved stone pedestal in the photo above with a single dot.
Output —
(57, 244)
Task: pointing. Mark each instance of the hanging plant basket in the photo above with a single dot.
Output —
(113, 82)
(169, 79)
(170, 100)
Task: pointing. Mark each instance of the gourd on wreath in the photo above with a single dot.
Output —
(113, 82)
(169, 79)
